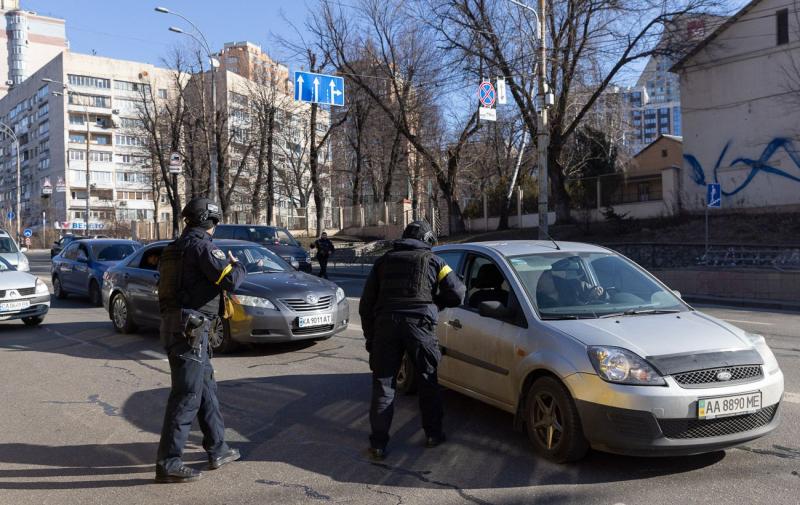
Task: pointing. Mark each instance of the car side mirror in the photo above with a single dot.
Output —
(496, 310)
(23, 249)
(677, 293)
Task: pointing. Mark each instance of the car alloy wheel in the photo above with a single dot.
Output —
(95, 296)
(407, 376)
(219, 336)
(552, 420)
(120, 314)
(58, 289)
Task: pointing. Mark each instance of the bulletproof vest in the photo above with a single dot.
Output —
(170, 270)
(404, 279)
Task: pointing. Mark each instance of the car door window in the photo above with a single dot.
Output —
(285, 238)
(452, 258)
(71, 252)
(83, 253)
(149, 259)
(485, 283)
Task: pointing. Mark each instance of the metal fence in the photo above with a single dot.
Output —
(657, 256)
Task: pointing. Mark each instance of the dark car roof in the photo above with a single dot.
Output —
(217, 241)
(92, 241)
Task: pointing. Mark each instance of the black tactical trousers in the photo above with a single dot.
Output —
(323, 266)
(396, 335)
(193, 394)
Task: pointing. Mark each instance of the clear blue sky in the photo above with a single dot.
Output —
(132, 30)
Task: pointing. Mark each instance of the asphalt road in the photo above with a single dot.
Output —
(82, 408)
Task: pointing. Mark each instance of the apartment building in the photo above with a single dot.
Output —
(27, 42)
(251, 62)
(89, 101)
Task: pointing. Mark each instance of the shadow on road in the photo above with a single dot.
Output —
(319, 423)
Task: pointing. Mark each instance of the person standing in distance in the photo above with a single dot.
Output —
(324, 248)
(193, 274)
(399, 309)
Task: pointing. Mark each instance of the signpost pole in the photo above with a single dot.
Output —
(543, 133)
(706, 230)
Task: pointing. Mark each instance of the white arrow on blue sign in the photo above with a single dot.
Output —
(27, 233)
(714, 195)
(318, 88)
(10, 214)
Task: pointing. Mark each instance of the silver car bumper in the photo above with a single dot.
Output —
(661, 421)
(40, 305)
(257, 325)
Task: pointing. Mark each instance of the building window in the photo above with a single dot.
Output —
(644, 192)
(132, 86)
(664, 153)
(90, 100)
(782, 21)
(77, 138)
(162, 93)
(89, 82)
(128, 140)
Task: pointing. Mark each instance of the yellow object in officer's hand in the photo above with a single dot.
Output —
(227, 306)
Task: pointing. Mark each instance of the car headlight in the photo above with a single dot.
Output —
(339, 295)
(621, 366)
(41, 288)
(760, 343)
(23, 265)
(254, 301)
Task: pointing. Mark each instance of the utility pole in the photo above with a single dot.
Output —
(544, 125)
(10, 132)
(88, 173)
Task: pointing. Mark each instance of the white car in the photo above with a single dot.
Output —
(12, 253)
(587, 349)
(22, 296)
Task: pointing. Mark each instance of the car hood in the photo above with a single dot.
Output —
(14, 280)
(657, 334)
(284, 284)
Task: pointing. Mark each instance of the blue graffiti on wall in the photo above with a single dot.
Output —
(762, 164)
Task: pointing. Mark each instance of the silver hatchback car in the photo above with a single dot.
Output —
(587, 349)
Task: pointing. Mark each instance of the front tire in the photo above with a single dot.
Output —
(121, 314)
(33, 320)
(58, 289)
(552, 422)
(219, 337)
(95, 295)
(407, 376)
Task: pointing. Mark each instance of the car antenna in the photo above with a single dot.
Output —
(550, 238)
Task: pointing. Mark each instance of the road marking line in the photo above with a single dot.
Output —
(154, 354)
(791, 397)
(748, 322)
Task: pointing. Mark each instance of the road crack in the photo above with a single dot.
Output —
(309, 491)
(108, 409)
(379, 491)
(421, 476)
(777, 451)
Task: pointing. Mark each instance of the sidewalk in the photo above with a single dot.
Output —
(357, 270)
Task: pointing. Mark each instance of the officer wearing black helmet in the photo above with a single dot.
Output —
(193, 274)
(399, 309)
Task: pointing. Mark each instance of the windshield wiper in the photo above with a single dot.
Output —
(639, 312)
(565, 317)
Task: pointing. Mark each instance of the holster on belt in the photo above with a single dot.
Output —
(195, 329)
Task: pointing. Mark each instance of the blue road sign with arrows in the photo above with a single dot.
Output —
(318, 88)
(714, 195)
(10, 215)
(27, 233)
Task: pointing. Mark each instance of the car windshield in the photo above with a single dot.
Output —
(591, 285)
(7, 245)
(257, 259)
(112, 252)
(271, 236)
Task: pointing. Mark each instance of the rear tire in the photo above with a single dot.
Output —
(407, 376)
(33, 320)
(219, 337)
(120, 313)
(95, 295)
(553, 423)
(58, 289)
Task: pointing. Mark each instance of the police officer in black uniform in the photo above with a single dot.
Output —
(399, 309)
(193, 273)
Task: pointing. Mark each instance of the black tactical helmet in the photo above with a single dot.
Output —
(420, 230)
(201, 212)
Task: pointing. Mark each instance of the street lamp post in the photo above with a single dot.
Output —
(88, 149)
(543, 133)
(203, 42)
(13, 135)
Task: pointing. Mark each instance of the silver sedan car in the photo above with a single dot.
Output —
(587, 349)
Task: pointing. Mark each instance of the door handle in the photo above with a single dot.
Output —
(455, 323)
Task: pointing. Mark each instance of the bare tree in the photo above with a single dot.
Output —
(613, 32)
